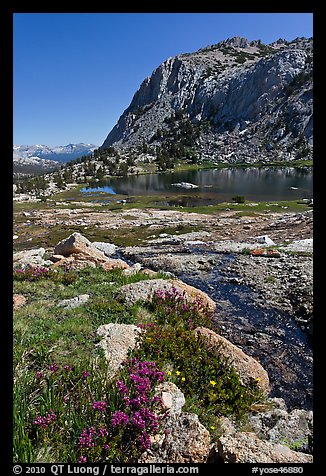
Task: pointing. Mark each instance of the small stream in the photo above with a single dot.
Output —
(270, 336)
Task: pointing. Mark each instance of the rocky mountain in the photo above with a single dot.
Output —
(41, 158)
(234, 101)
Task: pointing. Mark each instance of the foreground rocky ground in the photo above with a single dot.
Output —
(270, 255)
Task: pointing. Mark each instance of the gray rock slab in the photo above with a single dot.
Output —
(117, 340)
(107, 248)
(74, 302)
(32, 257)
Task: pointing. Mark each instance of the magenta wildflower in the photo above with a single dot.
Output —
(119, 418)
(39, 375)
(82, 459)
(102, 432)
(101, 406)
(45, 421)
(54, 367)
(86, 438)
(127, 400)
(138, 421)
(122, 387)
(144, 440)
(85, 374)
(67, 368)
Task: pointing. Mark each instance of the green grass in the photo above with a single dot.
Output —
(66, 332)
(45, 333)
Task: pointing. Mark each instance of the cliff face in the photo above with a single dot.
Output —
(233, 93)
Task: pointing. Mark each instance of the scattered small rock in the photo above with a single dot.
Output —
(132, 270)
(74, 302)
(172, 397)
(265, 240)
(29, 257)
(18, 301)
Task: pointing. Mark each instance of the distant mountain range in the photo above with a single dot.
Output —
(42, 158)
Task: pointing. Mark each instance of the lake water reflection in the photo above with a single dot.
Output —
(217, 185)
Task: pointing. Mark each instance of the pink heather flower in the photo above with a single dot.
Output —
(103, 432)
(135, 403)
(85, 374)
(144, 440)
(39, 375)
(86, 438)
(101, 406)
(138, 421)
(106, 447)
(54, 367)
(122, 387)
(160, 376)
(82, 459)
(119, 418)
(127, 400)
(67, 368)
(45, 421)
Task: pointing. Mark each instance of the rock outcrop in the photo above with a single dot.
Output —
(144, 291)
(238, 100)
(117, 340)
(32, 257)
(247, 367)
(183, 439)
(78, 252)
(277, 425)
(246, 447)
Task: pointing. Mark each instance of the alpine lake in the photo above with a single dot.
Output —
(204, 187)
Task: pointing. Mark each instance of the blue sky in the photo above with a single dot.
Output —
(75, 73)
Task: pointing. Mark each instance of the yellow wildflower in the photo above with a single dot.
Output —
(183, 379)
(212, 382)
(177, 372)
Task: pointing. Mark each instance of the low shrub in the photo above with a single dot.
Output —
(239, 199)
(211, 385)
